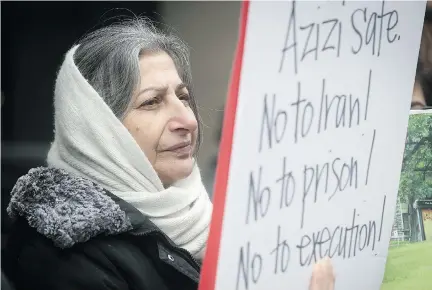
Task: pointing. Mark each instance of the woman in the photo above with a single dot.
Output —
(121, 205)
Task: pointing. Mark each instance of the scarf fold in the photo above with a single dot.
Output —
(91, 142)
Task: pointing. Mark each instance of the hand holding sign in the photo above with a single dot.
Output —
(311, 151)
(322, 276)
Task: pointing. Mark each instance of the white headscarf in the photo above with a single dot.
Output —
(91, 142)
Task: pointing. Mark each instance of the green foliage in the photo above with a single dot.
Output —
(416, 176)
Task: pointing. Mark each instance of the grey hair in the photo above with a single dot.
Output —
(109, 59)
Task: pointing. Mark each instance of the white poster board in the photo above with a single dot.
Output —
(318, 139)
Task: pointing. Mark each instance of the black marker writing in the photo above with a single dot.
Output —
(368, 94)
(282, 254)
(370, 157)
(319, 37)
(343, 174)
(259, 197)
(382, 217)
(291, 29)
(368, 26)
(296, 105)
(336, 110)
(249, 267)
(347, 175)
(343, 109)
(273, 125)
(342, 241)
(288, 186)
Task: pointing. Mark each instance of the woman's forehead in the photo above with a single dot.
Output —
(158, 69)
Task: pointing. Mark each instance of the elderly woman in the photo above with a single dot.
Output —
(121, 204)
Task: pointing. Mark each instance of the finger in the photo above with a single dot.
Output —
(326, 265)
(322, 276)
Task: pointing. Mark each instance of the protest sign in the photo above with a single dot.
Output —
(313, 142)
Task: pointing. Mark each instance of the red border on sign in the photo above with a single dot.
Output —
(209, 270)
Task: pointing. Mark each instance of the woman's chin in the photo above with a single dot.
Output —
(175, 170)
(183, 170)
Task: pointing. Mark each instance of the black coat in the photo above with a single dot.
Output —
(5, 284)
(71, 234)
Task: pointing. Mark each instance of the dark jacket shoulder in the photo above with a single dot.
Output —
(5, 283)
(70, 233)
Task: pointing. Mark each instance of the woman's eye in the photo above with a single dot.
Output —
(151, 103)
(185, 98)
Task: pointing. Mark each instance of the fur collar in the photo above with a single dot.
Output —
(66, 209)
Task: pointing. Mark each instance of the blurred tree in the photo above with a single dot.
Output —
(416, 175)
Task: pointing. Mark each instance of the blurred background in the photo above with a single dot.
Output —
(36, 35)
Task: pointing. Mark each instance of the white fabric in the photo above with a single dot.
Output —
(91, 142)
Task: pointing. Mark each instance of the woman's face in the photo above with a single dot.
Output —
(161, 120)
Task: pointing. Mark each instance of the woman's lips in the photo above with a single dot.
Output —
(185, 150)
(182, 149)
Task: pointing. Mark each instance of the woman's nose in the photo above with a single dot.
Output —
(183, 118)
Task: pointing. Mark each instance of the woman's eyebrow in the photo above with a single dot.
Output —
(180, 87)
(158, 89)
(161, 89)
